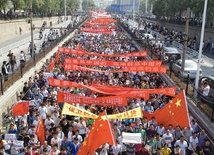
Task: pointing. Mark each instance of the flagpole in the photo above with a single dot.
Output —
(200, 49)
(114, 143)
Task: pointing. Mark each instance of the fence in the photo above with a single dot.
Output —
(21, 70)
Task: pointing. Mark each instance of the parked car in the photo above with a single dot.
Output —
(189, 68)
(169, 52)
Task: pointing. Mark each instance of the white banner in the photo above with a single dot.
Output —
(134, 138)
(18, 144)
(46, 75)
(10, 137)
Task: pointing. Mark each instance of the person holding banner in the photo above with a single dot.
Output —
(144, 151)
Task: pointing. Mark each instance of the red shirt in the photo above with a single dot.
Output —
(145, 152)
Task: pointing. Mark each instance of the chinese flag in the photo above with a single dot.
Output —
(175, 112)
(101, 132)
(21, 108)
(40, 132)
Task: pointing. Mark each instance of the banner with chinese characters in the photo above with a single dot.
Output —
(104, 20)
(146, 63)
(110, 100)
(130, 92)
(96, 30)
(80, 52)
(159, 69)
(74, 111)
(134, 113)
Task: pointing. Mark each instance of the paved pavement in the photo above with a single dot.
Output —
(24, 47)
(9, 96)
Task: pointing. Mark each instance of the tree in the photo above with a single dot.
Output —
(18, 5)
(88, 4)
(3, 6)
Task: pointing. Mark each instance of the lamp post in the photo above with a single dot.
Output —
(200, 48)
(65, 12)
(31, 30)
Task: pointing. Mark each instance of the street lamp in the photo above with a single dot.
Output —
(65, 13)
(200, 48)
(31, 30)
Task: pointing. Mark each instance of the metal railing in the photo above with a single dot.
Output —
(22, 69)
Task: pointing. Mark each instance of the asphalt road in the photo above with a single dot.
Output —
(24, 47)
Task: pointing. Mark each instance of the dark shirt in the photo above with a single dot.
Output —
(25, 138)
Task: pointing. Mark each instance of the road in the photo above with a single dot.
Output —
(207, 63)
(24, 47)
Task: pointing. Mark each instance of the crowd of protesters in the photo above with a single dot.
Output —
(64, 134)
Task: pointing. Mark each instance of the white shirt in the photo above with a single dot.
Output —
(48, 123)
(105, 149)
(22, 56)
(121, 143)
(35, 123)
(70, 136)
(194, 141)
(81, 128)
(168, 138)
(57, 141)
(183, 145)
(206, 90)
(61, 135)
(160, 130)
(42, 112)
(116, 149)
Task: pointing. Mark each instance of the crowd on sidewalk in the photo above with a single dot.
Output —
(64, 134)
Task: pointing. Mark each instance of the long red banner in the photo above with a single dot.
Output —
(96, 30)
(147, 63)
(80, 52)
(135, 93)
(110, 100)
(159, 69)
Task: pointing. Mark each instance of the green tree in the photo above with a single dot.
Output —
(18, 5)
(3, 6)
(88, 4)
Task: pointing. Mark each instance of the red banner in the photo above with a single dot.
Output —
(80, 52)
(160, 69)
(147, 63)
(110, 100)
(171, 91)
(134, 93)
(104, 20)
(157, 69)
(96, 30)
(70, 51)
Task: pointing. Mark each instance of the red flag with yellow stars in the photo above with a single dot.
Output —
(175, 112)
(101, 132)
(40, 131)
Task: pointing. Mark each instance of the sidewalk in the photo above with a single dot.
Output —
(9, 96)
(24, 47)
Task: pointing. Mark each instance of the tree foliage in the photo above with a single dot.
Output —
(174, 8)
(43, 7)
